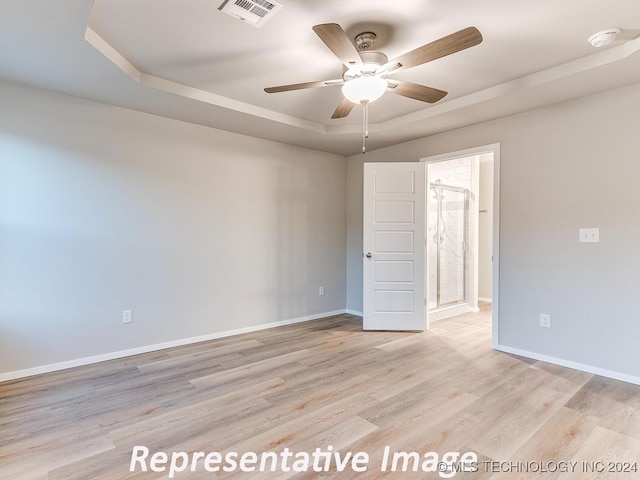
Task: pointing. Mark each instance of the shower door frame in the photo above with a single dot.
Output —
(465, 266)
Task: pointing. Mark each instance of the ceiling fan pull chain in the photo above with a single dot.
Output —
(364, 127)
(366, 120)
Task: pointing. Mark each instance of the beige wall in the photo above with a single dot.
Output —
(563, 167)
(196, 230)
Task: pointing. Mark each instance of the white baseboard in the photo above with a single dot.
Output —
(448, 312)
(29, 372)
(485, 299)
(203, 338)
(569, 364)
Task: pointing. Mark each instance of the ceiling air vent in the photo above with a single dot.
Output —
(253, 12)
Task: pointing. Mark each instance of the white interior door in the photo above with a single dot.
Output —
(394, 246)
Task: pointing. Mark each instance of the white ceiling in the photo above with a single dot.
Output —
(184, 59)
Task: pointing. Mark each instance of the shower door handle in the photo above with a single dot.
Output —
(368, 255)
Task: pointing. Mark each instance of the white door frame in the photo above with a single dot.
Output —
(495, 290)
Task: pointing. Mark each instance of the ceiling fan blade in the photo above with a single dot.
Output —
(453, 43)
(302, 86)
(335, 38)
(343, 109)
(415, 91)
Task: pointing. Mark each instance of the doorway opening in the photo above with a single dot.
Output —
(462, 262)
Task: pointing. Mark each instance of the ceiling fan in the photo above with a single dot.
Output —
(365, 76)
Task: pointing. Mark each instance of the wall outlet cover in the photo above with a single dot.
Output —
(545, 320)
(589, 235)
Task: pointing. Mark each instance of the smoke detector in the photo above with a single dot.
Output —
(253, 12)
(604, 37)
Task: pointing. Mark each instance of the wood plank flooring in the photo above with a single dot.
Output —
(319, 384)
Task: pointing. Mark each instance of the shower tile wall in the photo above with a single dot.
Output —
(453, 269)
(452, 172)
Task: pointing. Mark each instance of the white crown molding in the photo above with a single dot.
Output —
(176, 88)
(536, 79)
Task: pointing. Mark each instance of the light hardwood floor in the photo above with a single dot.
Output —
(316, 384)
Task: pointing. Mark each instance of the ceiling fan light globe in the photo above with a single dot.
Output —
(365, 89)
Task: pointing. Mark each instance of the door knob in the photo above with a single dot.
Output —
(369, 255)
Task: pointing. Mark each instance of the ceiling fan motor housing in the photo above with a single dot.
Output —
(370, 63)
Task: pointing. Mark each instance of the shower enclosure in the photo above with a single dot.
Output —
(448, 240)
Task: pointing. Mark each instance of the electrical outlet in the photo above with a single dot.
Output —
(127, 316)
(545, 320)
(589, 235)
(321, 291)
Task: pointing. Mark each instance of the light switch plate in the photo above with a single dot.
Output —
(589, 235)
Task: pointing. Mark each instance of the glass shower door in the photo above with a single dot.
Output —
(448, 230)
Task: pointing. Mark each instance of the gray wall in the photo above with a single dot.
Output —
(563, 167)
(201, 231)
(197, 230)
